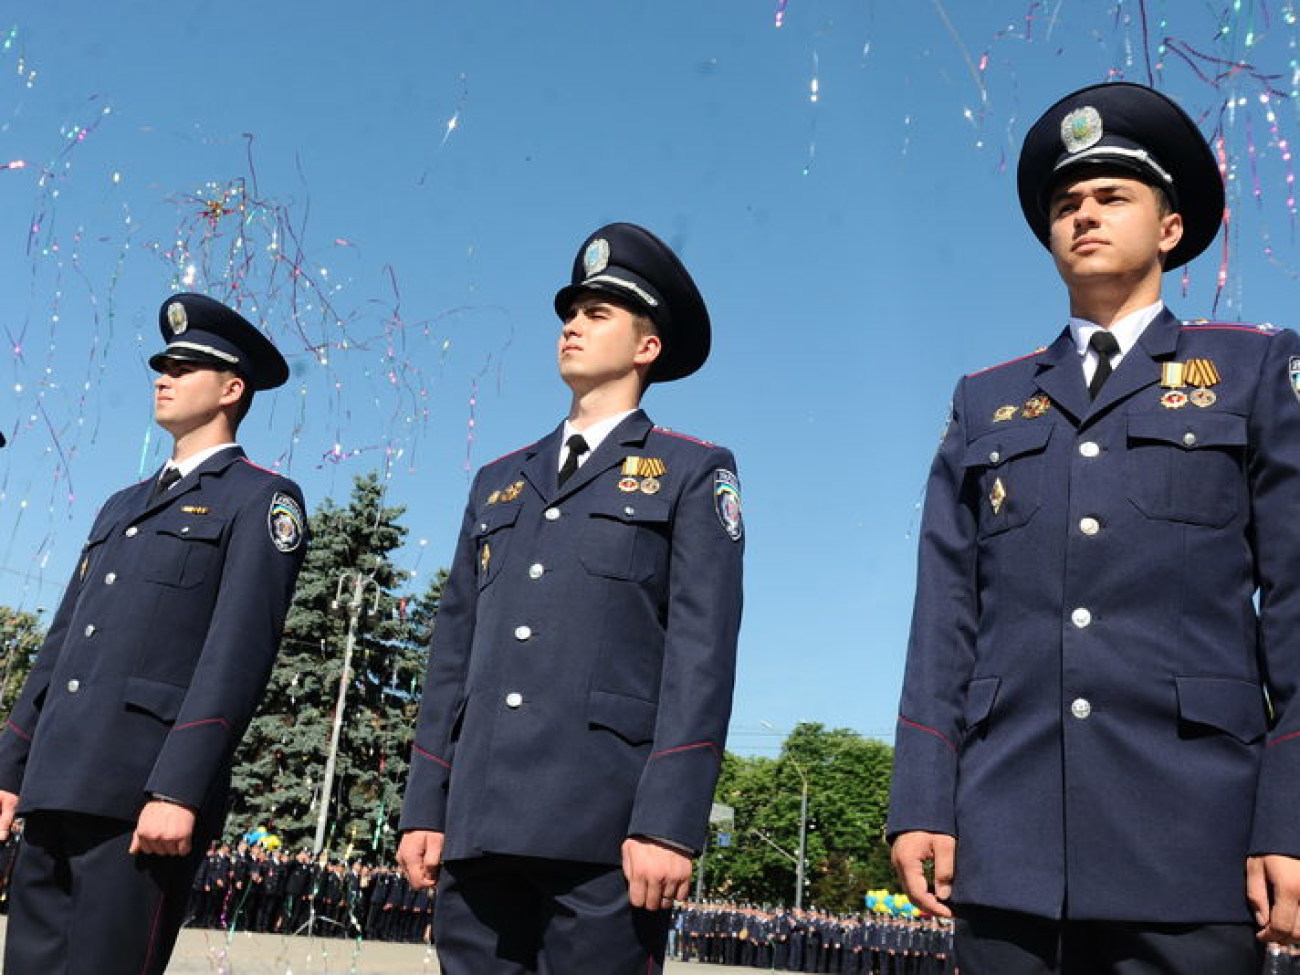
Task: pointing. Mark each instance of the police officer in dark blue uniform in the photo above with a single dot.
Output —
(118, 750)
(580, 679)
(1099, 737)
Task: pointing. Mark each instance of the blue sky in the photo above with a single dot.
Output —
(859, 251)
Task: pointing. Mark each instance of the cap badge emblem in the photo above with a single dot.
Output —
(596, 257)
(1081, 129)
(177, 318)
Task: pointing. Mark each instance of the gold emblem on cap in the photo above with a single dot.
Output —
(1004, 413)
(1081, 129)
(1175, 399)
(997, 495)
(596, 257)
(1035, 406)
(177, 318)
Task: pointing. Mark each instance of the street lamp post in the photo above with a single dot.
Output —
(354, 602)
(802, 856)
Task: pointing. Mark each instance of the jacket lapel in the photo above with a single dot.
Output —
(1141, 366)
(541, 468)
(1060, 376)
(215, 464)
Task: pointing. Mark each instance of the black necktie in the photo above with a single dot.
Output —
(577, 445)
(1105, 345)
(169, 477)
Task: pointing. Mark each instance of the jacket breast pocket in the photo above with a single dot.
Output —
(183, 553)
(1007, 468)
(492, 534)
(627, 539)
(1187, 466)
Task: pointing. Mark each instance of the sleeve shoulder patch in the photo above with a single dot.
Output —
(285, 522)
(726, 501)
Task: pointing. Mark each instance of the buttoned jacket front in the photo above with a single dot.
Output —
(1099, 700)
(580, 677)
(161, 646)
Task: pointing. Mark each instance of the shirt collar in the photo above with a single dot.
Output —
(597, 432)
(1126, 331)
(191, 463)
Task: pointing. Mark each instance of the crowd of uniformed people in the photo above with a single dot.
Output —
(248, 888)
(809, 941)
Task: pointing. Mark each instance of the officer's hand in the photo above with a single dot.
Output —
(911, 852)
(420, 855)
(8, 806)
(1273, 890)
(656, 874)
(163, 829)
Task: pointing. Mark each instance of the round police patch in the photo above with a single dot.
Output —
(285, 521)
(726, 501)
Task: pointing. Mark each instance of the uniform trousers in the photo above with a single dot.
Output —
(82, 905)
(995, 942)
(513, 915)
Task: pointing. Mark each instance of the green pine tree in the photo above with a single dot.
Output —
(280, 766)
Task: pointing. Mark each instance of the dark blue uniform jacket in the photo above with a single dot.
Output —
(1100, 694)
(580, 679)
(161, 647)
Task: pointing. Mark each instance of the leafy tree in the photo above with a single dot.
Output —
(847, 779)
(280, 766)
(21, 635)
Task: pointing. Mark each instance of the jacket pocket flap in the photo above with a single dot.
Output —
(628, 717)
(1234, 706)
(981, 692)
(633, 508)
(996, 448)
(200, 528)
(1189, 430)
(160, 699)
(494, 517)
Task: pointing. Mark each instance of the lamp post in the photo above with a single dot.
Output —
(802, 856)
(355, 602)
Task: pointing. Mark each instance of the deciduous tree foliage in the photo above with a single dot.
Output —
(848, 797)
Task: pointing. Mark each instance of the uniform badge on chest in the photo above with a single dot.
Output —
(1200, 373)
(1035, 406)
(997, 495)
(642, 474)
